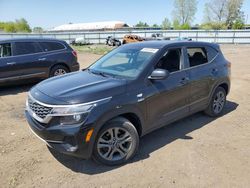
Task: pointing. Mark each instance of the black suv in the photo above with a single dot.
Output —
(136, 88)
(35, 59)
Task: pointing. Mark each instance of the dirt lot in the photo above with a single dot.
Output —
(195, 152)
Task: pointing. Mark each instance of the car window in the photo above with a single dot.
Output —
(22, 48)
(197, 56)
(211, 53)
(51, 46)
(126, 63)
(170, 60)
(5, 50)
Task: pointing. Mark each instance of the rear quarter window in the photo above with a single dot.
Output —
(22, 48)
(51, 46)
(197, 56)
(5, 50)
(211, 53)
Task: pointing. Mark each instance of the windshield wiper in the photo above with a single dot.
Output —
(98, 73)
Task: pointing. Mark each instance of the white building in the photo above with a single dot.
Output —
(111, 25)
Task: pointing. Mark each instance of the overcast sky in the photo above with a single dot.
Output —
(51, 13)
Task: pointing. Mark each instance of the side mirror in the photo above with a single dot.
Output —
(159, 74)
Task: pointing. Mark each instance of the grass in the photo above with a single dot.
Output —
(94, 49)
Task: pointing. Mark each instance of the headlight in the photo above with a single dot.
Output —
(74, 119)
(71, 110)
(72, 114)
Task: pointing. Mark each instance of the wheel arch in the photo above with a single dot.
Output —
(132, 114)
(134, 119)
(224, 86)
(62, 64)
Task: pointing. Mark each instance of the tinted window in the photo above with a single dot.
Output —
(5, 50)
(22, 48)
(50, 46)
(211, 52)
(170, 60)
(197, 56)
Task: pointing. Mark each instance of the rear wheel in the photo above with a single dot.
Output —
(116, 143)
(58, 70)
(217, 103)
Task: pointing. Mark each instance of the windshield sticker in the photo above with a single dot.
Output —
(150, 50)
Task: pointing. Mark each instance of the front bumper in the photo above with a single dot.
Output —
(65, 139)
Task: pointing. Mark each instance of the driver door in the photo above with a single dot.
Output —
(168, 98)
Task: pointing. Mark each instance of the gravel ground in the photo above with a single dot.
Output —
(197, 151)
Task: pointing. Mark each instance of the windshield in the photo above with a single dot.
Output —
(124, 62)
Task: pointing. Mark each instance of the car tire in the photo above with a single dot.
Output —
(58, 70)
(116, 143)
(217, 103)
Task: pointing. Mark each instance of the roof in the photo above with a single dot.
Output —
(90, 26)
(29, 39)
(162, 43)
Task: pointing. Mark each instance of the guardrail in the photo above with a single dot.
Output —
(217, 36)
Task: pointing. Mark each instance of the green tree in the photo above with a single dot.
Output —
(176, 24)
(238, 24)
(37, 30)
(184, 11)
(185, 26)
(234, 13)
(10, 27)
(156, 26)
(22, 26)
(213, 25)
(141, 24)
(221, 13)
(166, 24)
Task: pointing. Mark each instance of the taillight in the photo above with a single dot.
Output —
(74, 54)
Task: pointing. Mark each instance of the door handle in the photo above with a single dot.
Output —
(42, 59)
(11, 63)
(184, 80)
(214, 71)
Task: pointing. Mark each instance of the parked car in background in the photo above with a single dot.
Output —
(35, 59)
(131, 39)
(112, 41)
(136, 38)
(158, 36)
(131, 91)
(80, 41)
(184, 38)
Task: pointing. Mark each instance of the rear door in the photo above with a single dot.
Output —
(53, 54)
(201, 73)
(7, 62)
(27, 59)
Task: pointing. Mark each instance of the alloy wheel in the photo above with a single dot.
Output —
(114, 144)
(219, 102)
(59, 72)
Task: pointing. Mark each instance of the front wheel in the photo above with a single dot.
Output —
(116, 143)
(217, 104)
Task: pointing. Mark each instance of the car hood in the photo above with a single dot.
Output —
(81, 87)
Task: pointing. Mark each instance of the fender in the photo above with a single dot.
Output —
(224, 80)
(113, 113)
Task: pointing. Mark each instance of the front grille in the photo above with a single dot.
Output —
(40, 110)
